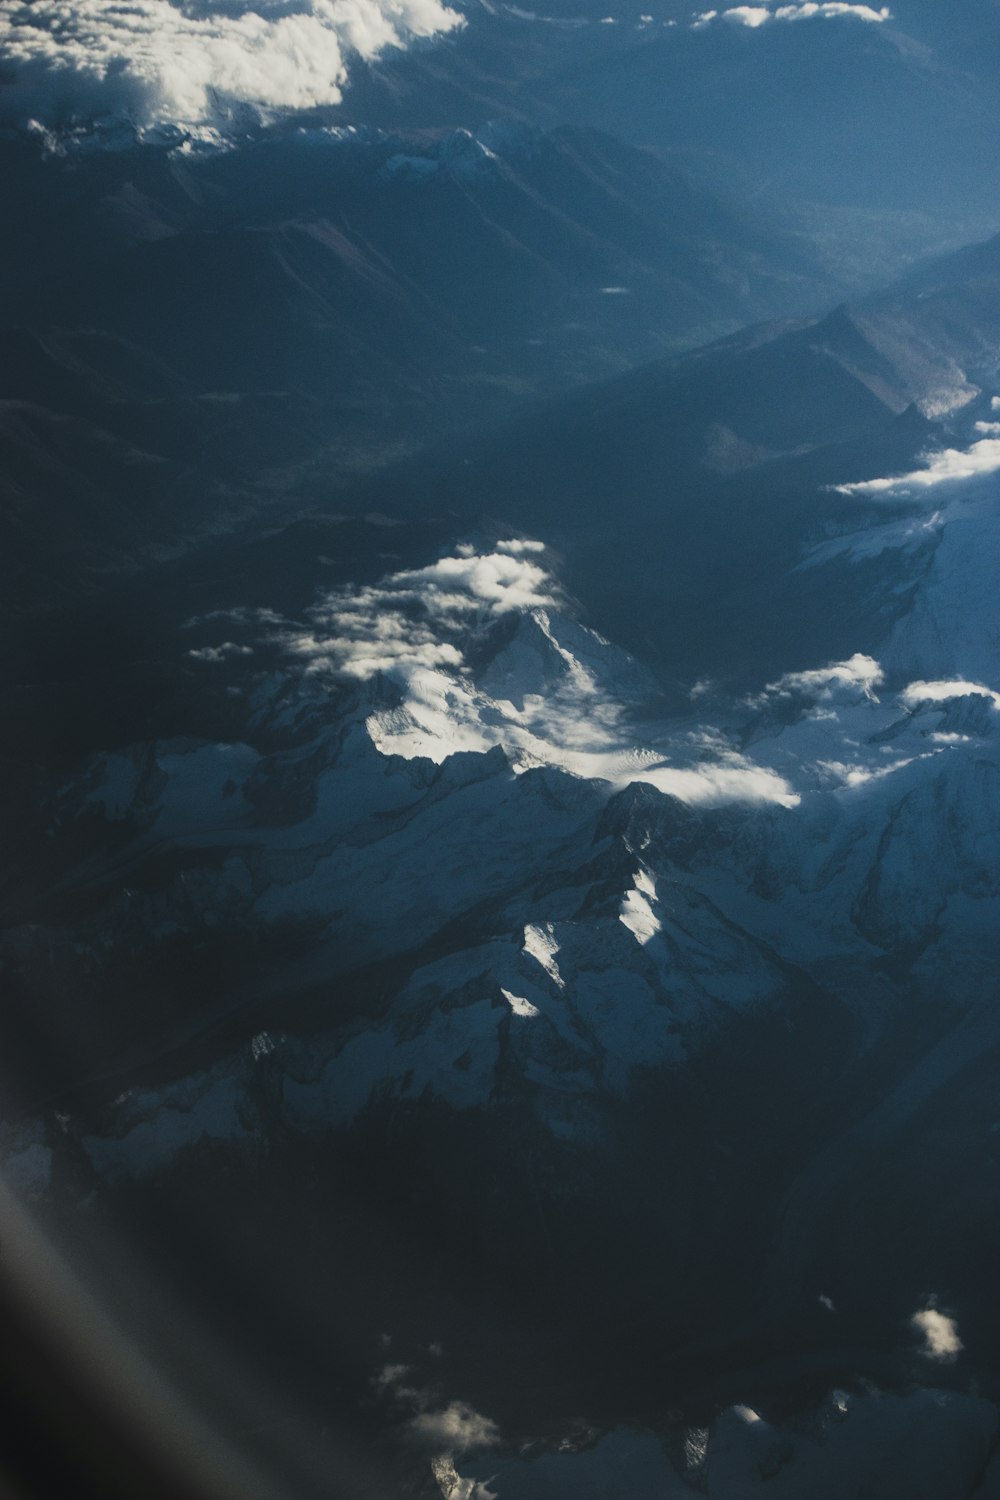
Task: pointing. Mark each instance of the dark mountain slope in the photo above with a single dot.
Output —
(705, 476)
(302, 309)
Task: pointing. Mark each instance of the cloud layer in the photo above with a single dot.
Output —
(190, 63)
(187, 64)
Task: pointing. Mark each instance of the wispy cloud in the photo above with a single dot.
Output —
(733, 779)
(860, 674)
(163, 61)
(760, 15)
(413, 621)
(843, 773)
(948, 466)
(451, 1429)
(543, 701)
(220, 653)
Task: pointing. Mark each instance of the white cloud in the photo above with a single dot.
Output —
(831, 9)
(946, 467)
(498, 581)
(163, 61)
(760, 15)
(710, 783)
(458, 1428)
(919, 693)
(408, 624)
(857, 775)
(748, 15)
(516, 547)
(940, 1334)
(858, 674)
(220, 653)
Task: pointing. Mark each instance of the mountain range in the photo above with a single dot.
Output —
(230, 325)
(414, 871)
(502, 755)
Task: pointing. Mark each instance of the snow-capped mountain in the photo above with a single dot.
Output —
(631, 878)
(547, 889)
(487, 877)
(676, 74)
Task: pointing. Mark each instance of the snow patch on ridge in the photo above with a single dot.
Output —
(541, 945)
(637, 912)
(520, 1006)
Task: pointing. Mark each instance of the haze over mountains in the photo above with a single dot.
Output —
(896, 112)
(401, 285)
(290, 314)
(501, 921)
